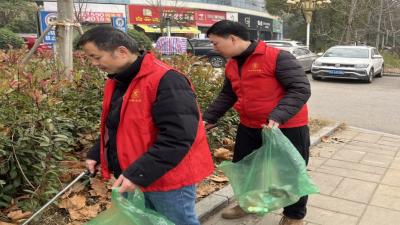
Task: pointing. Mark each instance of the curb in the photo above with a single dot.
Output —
(391, 75)
(218, 200)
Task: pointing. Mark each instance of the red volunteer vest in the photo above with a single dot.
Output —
(257, 89)
(137, 132)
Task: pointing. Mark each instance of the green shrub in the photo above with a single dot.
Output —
(9, 38)
(391, 59)
(207, 82)
(46, 119)
(142, 39)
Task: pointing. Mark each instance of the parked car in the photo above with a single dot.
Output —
(349, 62)
(302, 54)
(30, 40)
(285, 43)
(204, 48)
(198, 47)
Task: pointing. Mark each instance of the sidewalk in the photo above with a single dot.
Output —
(358, 173)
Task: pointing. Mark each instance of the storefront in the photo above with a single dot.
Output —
(206, 18)
(260, 28)
(150, 19)
(92, 12)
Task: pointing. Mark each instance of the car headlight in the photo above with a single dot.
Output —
(361, 65)
(316, 63)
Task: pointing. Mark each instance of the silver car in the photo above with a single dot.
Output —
(302, 54)
(349, 62)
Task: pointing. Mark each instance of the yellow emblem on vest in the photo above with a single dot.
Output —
(135, 96)
(255, 67)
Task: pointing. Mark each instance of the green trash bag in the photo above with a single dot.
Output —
(128, 210)
(271, 177)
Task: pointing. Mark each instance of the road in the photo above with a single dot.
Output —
(374, 106)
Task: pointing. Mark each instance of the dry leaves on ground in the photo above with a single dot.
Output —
(81, 204)
(223, 154)
(211, 184)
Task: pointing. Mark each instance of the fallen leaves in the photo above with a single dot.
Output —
(219, 178)
(223, 154)
(83, 204)
(18, 215)
(334, 140)
(211, 184)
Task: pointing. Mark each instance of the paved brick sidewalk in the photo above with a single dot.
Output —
(358, 173)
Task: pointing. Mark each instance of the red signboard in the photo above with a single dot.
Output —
(207, 18)
(140, 14)
(98, 17)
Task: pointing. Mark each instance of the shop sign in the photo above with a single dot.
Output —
(98, 17)
(255, 22)
(207, 18)
(140, 14)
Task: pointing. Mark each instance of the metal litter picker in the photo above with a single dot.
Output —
(83, 174)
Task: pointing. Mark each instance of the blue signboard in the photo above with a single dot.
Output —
(119, 23)
(45, 17)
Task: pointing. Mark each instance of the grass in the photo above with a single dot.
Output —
(391, 60)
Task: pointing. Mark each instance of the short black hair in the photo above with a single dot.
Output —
(108, 38)
(224, 28)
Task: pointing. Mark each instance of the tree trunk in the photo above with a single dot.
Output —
(379, 25)
(350, 19)
(65, 14)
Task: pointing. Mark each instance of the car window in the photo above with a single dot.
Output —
(305, 51)
(298, 52)
(201, 43)
(347, 53)
(375, 51)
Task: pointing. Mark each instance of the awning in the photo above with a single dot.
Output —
(174, 29)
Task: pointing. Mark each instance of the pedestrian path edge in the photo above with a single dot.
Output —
(219, 199)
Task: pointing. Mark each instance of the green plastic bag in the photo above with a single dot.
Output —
(128, 210)
(271, 177)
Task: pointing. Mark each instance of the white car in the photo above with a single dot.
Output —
(285, 43)
(349, 62)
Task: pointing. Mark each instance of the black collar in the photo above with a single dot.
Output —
(248, 51)
(129, 73)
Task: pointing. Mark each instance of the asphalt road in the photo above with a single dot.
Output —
(374, 106)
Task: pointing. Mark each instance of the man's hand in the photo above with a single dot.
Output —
(271, 124)
(124, 184)
(91, 165)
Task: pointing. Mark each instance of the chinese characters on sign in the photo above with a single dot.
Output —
(256, 22)
(140, 14)
(98, 17)
(208, 18)
(45, 19)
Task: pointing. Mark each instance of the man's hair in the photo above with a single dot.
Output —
(108, 38)
(224, 28)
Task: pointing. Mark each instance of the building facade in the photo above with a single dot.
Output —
(192, 18)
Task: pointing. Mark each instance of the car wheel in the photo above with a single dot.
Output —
(315, 77)
(370, 76)
(217, 61)
(380, 74)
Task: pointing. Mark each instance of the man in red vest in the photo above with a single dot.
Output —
(267, 87)
(152, 134)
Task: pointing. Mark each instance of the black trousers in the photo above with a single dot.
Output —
(249, 139)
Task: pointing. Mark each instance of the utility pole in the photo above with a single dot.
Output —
(64, 32)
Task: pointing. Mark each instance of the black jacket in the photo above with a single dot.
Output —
(290, 75)
(175, 98)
